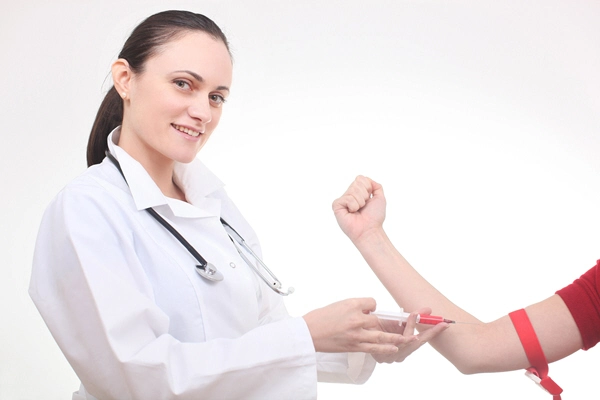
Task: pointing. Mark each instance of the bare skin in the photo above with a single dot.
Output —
(472, 348)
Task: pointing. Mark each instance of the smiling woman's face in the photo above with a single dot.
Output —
(174, 104)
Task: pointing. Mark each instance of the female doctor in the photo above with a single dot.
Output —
(141, 314)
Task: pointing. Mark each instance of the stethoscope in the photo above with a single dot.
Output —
(205, 269)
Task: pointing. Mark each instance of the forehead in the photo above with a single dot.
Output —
(194, 51)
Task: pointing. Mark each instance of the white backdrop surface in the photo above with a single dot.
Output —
(480, 118)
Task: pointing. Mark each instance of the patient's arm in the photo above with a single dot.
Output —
(474, 347)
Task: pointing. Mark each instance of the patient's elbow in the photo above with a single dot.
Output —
(477, 364)
(473, 364)
(468, 368)
(477, 351)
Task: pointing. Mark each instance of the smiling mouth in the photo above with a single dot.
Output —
(186, 130)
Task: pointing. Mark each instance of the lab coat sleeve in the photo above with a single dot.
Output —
(97, 303)
(355, 368)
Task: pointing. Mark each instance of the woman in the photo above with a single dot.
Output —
(123, 297)
(564, 323)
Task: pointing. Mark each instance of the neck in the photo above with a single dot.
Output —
(159, 167)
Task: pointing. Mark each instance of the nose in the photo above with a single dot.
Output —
(201, 110)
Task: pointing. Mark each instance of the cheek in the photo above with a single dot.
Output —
(157, 101)
(166, 105)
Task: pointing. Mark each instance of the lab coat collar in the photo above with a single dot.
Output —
(194, 178)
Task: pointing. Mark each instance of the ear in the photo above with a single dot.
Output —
(122, 76)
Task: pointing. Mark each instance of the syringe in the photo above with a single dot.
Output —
(403, 317)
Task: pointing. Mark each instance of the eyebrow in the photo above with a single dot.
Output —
(201, 79)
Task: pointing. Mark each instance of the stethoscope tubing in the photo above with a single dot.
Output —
(206, 269)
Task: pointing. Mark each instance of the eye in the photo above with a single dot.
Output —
(217, 99)
(180, 83)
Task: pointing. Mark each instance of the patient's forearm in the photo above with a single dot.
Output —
(473, 347)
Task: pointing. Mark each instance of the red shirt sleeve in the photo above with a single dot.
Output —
(582, 297)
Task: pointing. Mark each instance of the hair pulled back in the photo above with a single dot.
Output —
(144, 42)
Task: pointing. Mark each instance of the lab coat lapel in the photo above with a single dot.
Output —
(194, 179)
(198, 182)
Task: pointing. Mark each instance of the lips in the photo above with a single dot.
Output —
(188, 131)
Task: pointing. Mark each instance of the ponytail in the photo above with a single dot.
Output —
(109, 116)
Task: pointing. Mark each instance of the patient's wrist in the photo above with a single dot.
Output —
(371, 237)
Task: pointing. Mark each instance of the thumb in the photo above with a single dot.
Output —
(376, 189)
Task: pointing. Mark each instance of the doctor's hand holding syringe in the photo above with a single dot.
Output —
(350, 331)
(563, 323)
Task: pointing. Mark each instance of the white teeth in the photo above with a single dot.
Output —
(186, 130)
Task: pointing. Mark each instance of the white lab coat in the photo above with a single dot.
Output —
(123, 301)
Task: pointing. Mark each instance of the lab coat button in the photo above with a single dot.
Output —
(232, 265)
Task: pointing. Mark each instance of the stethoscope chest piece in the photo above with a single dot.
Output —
(209, 272)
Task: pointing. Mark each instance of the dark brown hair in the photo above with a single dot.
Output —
(145, 40)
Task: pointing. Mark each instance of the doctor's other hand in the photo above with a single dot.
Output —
(413, 342)
(361, 208)
(347, 326)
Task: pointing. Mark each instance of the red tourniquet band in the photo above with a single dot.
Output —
(534, 352)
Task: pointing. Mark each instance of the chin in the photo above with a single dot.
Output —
(185, 159)
(186, 156)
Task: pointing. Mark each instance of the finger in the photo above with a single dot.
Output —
(372, 187)
(364, 190)
(391, 326)
(387, 349)
(346, 203)
(377, 342)
(361, 187)
(424, 311)
(376, 189)
(427, 335)
(373, 322)
(359, 196)
(379, 337)
(371, 348)
(384, 358)
(366, 304)
(364, 182)
(411, 323)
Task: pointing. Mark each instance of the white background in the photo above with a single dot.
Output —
(480, 118)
